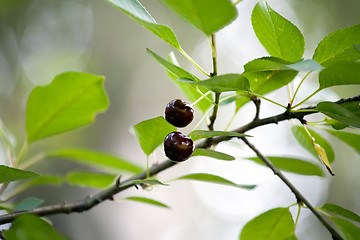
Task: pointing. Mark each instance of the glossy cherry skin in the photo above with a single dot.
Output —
(178, 147)
(179, 113)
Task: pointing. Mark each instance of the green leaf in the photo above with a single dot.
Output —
(357, 47)
(149, 181)
(207, 15)
(294, 165)
(41, 180)
(303, 138)
(353, 106)
(340, 74)
(339, 113)
(222, 83)
(139, 14)
(97, 159)
(270, 73)
(212, 154)
(226, 99)
(279, 37)
(267, 81)
(169, 66)
(175, 72)
(6, 206)
(148, 201)
(90, 179)
(28, 204)
(8, 174)
(151, 133)
(349, 230)
(240, 102)
(335, 124)
(206, 177)
(292, 237)
(338, 46)
(70, 101)
(275, 224)
(200, 134)
(307, 65)
(352, 139)
(277, 64)
(28, 226)
(335, 209)
(323, 157)
(266, 64)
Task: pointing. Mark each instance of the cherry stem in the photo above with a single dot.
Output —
(203, 96)
(193, 62)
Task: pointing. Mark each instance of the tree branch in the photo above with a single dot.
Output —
(90, 201)
(107, 194)
(300, 198)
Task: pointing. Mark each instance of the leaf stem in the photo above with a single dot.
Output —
(310, 96)
(298, 215)
(33, 160)
(202, 119)
(15, 191)
(289, 92)
(227, 97)
(237, 1)
(267, 99)
(203, 96)
(304, 110)
(10, 146)
(14, 164)
(3, 187)
(22, 152)
(230, 122)
(193, 62)
(297, 89)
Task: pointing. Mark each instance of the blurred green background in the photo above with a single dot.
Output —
(40, 39)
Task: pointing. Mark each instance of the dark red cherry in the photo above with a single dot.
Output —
(178, 147)
(179, 113)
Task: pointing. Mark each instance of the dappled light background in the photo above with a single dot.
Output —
(40, 39)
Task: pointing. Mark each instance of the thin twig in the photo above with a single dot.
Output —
(257, 103)
(300, 198)
(214, 55)
(215, 111)
(214, 73)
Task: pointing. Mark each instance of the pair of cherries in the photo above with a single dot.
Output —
(177, 146)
